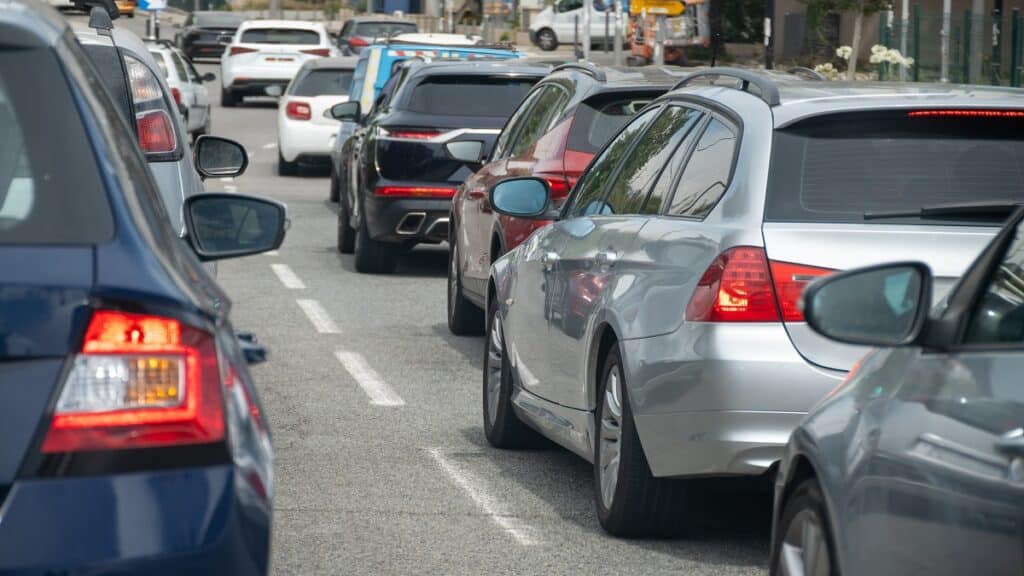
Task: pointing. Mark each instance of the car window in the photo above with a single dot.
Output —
(515, 122)
(469, 95)
(280, 36)
(161, 63)
(567, 5)
(192, 72)
(549, 107)
(999, 315)
(707, 172)
(384, 29)
(51, 191)
(837, 167)
(322, 82)
(356, 90)
(598, 119)
(587, 197)
(648, 157)
(662, 188)
(179, 67)
(346, 30)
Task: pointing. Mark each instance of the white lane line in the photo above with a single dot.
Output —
(375, 387)
(477, 490)
(271, 253)
(228, 179)
(230, 189)
(288, 277)
(270, 145)
(321, 320)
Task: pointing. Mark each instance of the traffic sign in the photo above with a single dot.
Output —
(152, 5)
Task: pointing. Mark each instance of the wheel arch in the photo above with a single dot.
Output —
(605, 336)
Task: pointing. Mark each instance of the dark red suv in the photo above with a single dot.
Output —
(560, 125)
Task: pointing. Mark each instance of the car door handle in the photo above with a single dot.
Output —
(1011, 443)
(606, 258)
(548, 259)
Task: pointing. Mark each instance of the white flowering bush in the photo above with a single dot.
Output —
(827, 70)
(844, 52)
(891, 58)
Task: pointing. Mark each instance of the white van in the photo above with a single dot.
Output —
(557, 24)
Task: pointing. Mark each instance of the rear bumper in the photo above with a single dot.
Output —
(188, 521)
(253, 87)
(240, 78)
(407, 220)
(712, 399)
(305, 138)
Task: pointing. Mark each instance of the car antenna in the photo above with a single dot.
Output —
(100, 20)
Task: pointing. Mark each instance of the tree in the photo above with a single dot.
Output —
(817, 9)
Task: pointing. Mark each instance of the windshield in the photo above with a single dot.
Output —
(383, 29)
(280, 36)
(323, 82)
(469, 96)
(838, 167)
(219, 20)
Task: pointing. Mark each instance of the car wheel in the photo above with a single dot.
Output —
(229, 99)
(805, 542)
(372, 256)
(346, 235)
(464, 318)
(286, 168)
(502, 426)
(547, 40)
(631, 502)
(334, 194)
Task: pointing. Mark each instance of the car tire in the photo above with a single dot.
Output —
(229, 99)
(464, 318)
(502, 426)
(346, 235)
(334, 193)
(630, 501)
(804, 525)
(373, 256)
(286, 168)
(546, 39)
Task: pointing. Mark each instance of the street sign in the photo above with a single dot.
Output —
(152, 5)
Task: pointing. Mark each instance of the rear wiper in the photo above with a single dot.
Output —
(982, 209)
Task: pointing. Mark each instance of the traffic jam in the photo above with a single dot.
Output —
(280, 300)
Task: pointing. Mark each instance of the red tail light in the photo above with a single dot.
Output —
(559, 187)
(790, 281)
(155, 132)
(236, 50)
(297, 110)
(139, 381)
(965, 114)
(399, 134)
(415, 191)
(317, 52)
(736, 287)
(177, 96)
(357, 41)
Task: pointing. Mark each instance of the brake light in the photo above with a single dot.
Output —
(236, 50)
(409, 134)
(298, 110)
(139, 381)
(357, 41)
(317, 52)
(789, 281)
(965, 114)
(415, 191)
(177, 96)
(736, 287)
(156, 133)
(558, 186)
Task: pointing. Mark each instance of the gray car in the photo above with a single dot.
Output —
(915, 465)
(654, 327)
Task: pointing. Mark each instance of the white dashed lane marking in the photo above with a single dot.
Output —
(288, 277)
(319, 317)
(375, 387)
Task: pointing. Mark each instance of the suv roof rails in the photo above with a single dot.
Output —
(769, 92)
(586, 67)
(805, 73)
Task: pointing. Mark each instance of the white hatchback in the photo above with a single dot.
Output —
(266, 53)
(186, 84)
(305, 128)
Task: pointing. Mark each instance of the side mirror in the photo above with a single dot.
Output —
(275, 90)
(347, 111)
(468, 151)
(231, 225)
(884, 305)
(219, 157)
(522, 198)
(208, 77)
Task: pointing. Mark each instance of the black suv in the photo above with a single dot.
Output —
(415, 151)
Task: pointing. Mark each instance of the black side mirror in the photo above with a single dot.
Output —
(884, 305)
(349, 111)
(526, 198)
(254, 352)
(208, 77)
(232, 225)
(219, 157)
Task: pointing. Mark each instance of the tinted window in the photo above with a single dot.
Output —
(179, 66)
(323, 82)
(596, 121)
(646, 160)
(836, 168)
(707, 173)
(225, 20)
(384, 29)
(549, 106)
(50, 188)
(469, 96)
(999, 318)
(515, 122)
(160, 62)
(588, 195)
(280, 36)
(662, 188)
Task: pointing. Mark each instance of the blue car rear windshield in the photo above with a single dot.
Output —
(835, 168)
(50, 187)
(469, 95)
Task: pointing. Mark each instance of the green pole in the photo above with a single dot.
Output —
(883, 37)
(917, 42)
(1015, 48)
(965, 54)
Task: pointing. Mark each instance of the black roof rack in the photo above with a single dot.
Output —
(585, 67)
(769, 92)
(805, 73)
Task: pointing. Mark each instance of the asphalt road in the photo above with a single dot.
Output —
(381, 462)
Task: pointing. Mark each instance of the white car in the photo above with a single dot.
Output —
(267, 53)
(561, 22)
(192, 98)
(436, 38)
(305, 128)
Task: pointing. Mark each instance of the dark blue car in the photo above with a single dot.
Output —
(131, 436)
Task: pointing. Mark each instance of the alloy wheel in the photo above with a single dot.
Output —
(495, 358)
(804, 550)
(610, 437)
